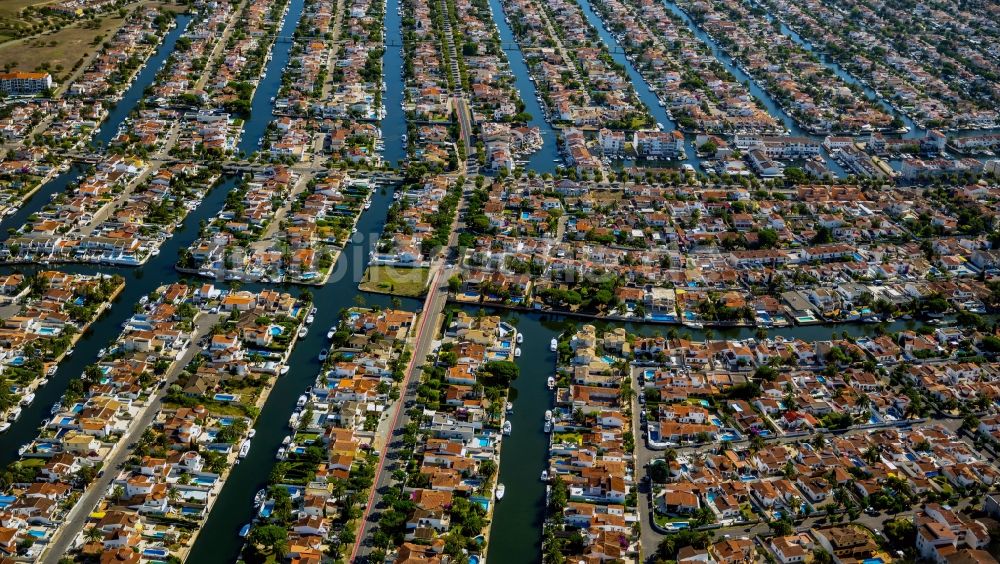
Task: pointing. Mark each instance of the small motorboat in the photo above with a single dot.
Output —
(520, 338)
(303, 331)
(509, 407)
(545, 475)
(102, 352)
(548, 415)
(553, 345)
(330, 333)
(258, 499)
(548, 427)
(28, 399)
(323, 354)
(24, 448)
(4, 426)
(286, 440)
(501, 489)
(517, 352)
(252, 433)
(284, 370)
(281, 454)
(310, 318)
(244, 531)
(56, 408)
(244, 448)
(69, 351)
(293, 421)
(301, 402)
(507, 427)
(551, 383)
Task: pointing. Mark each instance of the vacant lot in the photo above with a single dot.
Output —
(60, 51)
(410, 282)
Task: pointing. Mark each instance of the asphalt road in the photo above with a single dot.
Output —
(76, 518)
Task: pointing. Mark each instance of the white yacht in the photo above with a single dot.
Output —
(258, 499)
(281, 454)
(330, 333)
(507, 427)
(545, 475)
(548, 415)
(501, 489)
(520, 338)
(553, 345)
(28, 399)
(303, 331)
(517, 352)
(286, 440)
(310, 318)
(244, 448)
(548, 427)
(551, 383)
(302, 401)
(4, 426)
(252, 433)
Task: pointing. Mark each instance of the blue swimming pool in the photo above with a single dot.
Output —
(47, 331)
(225, 397)
(276, 330)
(156, 552)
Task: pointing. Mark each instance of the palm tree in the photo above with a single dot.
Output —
(93, 534)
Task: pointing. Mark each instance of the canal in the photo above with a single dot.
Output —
(136, 90)
(545, 159)
(772, 107)
(262, 106)
(109, 128)
(518, 520)
(394, 123)
(516, 534)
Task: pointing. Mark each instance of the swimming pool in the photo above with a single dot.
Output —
(483, 442)
(47, 330)
(276, 330)
(156, 552)
(225, 397)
